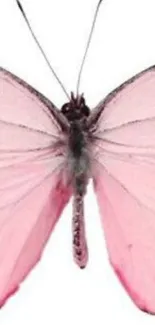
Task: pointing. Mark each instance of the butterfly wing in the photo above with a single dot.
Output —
(34, 184)
(123, 166)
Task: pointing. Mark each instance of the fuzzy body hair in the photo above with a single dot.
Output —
(78, 157)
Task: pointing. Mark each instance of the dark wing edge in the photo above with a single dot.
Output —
(95, 115)
(56, 113)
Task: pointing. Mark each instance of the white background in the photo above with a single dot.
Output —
(57, 292)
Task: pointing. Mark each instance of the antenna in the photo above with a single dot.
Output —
(40, 48)
(87, 45)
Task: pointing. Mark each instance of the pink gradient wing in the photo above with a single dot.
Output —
(34, 185)
(123, 167)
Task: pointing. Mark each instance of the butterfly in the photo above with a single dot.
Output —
(49, 155)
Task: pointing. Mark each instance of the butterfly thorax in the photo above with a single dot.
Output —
(77, 112)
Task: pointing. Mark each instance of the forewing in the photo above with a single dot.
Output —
(34, 183)
(123, 167)
(131, 102)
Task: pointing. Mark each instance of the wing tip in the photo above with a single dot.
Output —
(8, 295)
(138, 301)
(147, 311)
(13, 291)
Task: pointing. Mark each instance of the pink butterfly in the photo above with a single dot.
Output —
(48, 155)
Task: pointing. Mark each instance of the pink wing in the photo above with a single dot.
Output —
(123, 128)
(34, 185)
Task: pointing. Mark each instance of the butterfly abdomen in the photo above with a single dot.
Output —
(80, 251)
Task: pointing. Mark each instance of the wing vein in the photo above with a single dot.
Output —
(124, 187)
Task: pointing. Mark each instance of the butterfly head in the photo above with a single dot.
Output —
(76, 109)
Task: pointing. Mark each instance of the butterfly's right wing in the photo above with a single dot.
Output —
(123, 167)
(34, 182)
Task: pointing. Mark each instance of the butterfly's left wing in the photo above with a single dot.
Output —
(123, 166)
(34, 184)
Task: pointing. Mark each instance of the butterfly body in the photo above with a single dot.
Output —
(77, 113)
